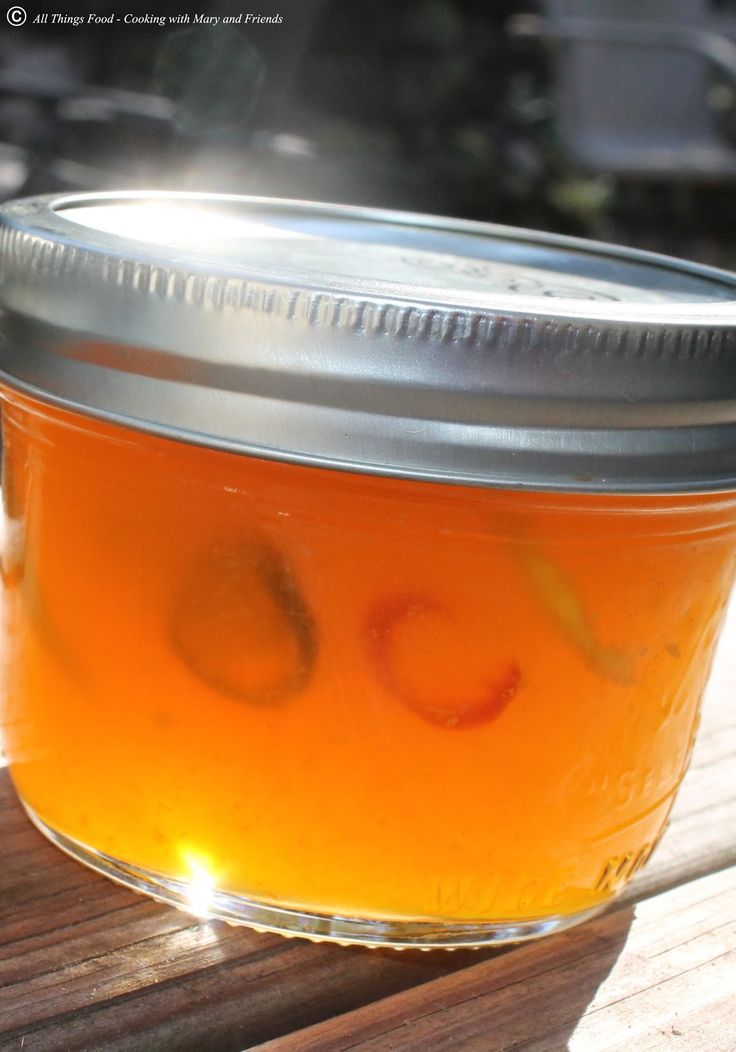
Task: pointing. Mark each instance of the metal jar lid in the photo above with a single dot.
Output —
(374, 341)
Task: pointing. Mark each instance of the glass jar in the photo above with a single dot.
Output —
(326, 619)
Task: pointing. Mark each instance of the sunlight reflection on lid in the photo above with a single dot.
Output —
(174, 224)
(201, 883)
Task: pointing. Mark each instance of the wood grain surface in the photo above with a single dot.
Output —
(87, 965)
(643, 976)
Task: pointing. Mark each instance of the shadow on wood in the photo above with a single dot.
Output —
(532, 998)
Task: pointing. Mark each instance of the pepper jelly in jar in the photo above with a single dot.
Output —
(362, 570)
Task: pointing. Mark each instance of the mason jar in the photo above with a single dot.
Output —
(362, 570)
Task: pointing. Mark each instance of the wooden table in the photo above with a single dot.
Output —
(85, 964)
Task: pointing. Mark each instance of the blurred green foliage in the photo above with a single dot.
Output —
(430, 105)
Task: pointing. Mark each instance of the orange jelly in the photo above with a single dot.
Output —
(348, 695)
(362, 570)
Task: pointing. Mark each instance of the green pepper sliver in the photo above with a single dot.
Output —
(240, 622)
(562, 602)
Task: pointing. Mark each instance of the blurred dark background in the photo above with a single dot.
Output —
(611, 119)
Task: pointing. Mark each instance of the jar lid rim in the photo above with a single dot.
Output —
(374, 340)
(106, 228)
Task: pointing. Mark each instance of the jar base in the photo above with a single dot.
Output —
(397, 933)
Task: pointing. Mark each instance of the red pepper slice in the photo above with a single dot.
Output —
(408, 637)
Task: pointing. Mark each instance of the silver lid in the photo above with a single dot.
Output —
(374, 341)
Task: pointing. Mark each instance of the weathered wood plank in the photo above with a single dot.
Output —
(85, 964)
(643, 978)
